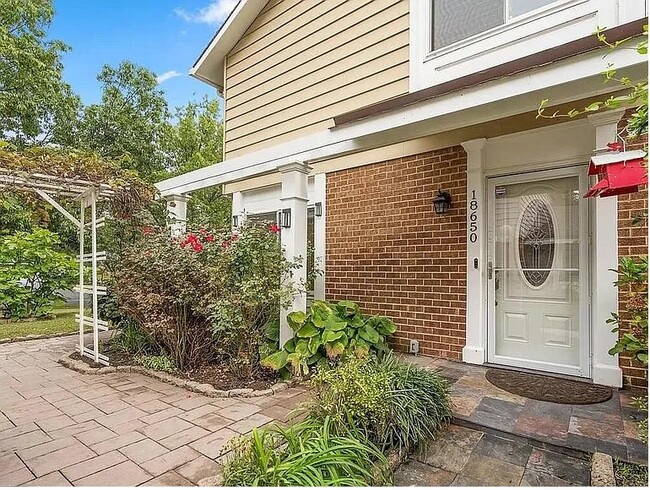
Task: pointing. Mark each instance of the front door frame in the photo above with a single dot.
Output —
(584, 368)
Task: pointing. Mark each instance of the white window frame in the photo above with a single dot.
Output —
(509, 23)
(553, 24)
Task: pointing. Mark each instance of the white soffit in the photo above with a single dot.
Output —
(209, 68)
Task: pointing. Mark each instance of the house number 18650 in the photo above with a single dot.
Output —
(473, 218)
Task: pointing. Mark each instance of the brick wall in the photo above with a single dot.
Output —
(632, 240)
(390, 252)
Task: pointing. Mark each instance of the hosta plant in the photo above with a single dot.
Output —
(327, 333)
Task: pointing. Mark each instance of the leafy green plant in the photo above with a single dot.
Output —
(133, 339)
(636, 96)
(632, 326)
(307, 454)
(33, 272)
(394, 404)
(159, 363)
(327, 333)
(642, 404)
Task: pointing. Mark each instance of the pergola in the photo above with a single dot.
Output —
(87, 194)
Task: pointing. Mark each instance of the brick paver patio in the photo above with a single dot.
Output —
(62, 428)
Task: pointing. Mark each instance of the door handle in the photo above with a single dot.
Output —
(490, 270)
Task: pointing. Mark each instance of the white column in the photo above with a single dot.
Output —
(238, 213)
(294, 238)
(604, 239)
(476, 321)
(320, 192)
(177, 212)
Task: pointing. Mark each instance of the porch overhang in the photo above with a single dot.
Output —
(561, 82)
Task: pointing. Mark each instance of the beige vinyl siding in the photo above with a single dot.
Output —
(302, 62)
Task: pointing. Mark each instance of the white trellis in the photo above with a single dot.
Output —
(87, 194)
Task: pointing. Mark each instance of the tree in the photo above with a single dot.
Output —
(33, 274)
(36, 105)
(128, 123)
(193, 142)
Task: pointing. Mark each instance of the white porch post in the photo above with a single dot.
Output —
(605, 368)
(475, 320)
(238, 213)
(177, 212)
(294, 238)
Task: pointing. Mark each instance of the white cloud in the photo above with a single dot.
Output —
(215, 13)
(163, 77)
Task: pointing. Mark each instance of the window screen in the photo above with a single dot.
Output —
(454, 20)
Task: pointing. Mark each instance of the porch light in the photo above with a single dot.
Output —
(284, 218)
(235, 221)
(442, 202)
(318, 209)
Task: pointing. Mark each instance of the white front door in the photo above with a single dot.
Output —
(537, 272)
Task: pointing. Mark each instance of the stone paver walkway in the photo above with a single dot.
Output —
(607, 427)
(468, 458)
(62, 428)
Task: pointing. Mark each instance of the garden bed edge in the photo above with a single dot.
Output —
(193, 386)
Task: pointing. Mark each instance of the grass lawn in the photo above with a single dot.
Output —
(63, 323)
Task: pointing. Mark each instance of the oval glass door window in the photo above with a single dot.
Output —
(536, 242)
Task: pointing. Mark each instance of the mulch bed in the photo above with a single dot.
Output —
(221, 375)
(548, 388)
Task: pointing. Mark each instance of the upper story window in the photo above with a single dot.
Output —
(455, 20)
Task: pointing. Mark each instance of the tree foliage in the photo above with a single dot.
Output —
(129, 122)
(195, 141)
(33, 272)
(36, 105)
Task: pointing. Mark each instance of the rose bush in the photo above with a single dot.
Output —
(208, 294)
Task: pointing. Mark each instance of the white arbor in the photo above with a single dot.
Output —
(87, 194)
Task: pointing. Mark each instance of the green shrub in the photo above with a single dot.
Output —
(33, 272)
(159, 363)
(394, 404)
(330, 332)
(207, 294)
(307, 454)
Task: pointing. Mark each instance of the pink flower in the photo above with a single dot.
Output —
(273, 228)
(147, 230)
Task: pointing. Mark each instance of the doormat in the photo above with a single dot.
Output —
(547, 388)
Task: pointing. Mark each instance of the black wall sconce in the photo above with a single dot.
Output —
(284, 218)
(318, 209)
(442, 202)
(235, 221)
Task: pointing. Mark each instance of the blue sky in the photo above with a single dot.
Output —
(165, 36)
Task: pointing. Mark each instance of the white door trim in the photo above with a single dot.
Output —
(584, 368)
